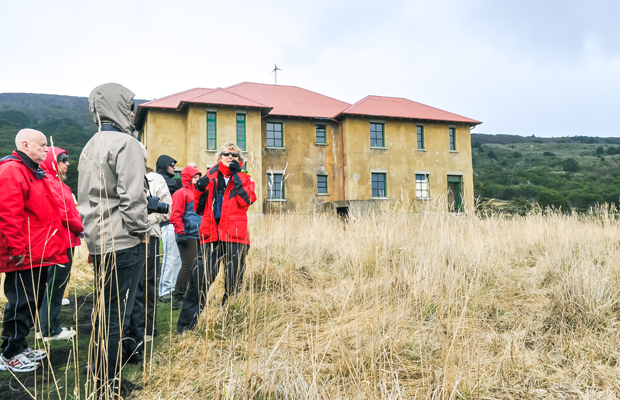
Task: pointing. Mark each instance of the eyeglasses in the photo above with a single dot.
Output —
(227, 153)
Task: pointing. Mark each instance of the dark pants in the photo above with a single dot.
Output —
(143, 314)
(116, 281)
(24, 291)
(233, 256)
(189, 253)
(57, 279)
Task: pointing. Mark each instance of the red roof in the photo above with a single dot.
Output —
(402, 108)
(174, 100)
(290, 101)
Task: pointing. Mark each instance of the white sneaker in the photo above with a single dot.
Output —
(65, 302)
(19, 363)
(34, 355)
(63, 335)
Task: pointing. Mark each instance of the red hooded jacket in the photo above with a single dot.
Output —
(182, 214)
(30, 223)
(238, 196)
(69, 215)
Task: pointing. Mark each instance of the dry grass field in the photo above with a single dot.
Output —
(401, 305)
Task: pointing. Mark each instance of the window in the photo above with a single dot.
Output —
(241, 131)
(211, 131)
(421, 186)
(420, 137)
(274, 134)
(321, 184)
(452, 133)
(275, 186)
(376, 135)
(320, 134)
(378, 185)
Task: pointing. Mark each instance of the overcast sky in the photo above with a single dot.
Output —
(548, 68)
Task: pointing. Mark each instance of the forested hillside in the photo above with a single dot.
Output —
(572, 172)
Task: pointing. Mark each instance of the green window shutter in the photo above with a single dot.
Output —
(241, 131)
(211, 131)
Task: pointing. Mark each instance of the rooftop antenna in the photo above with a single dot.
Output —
(275, 70)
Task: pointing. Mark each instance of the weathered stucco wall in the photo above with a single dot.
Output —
(303, 159)
(183, 136)
(400, 159)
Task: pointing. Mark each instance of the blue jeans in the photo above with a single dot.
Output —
(171, 263)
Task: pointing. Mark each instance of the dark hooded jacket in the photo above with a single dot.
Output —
(162, 169)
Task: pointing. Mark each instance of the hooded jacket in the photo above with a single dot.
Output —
(69, 215)
(111, 185)
(239, 194)
(162, 169)
(183, 216)
(29, 218)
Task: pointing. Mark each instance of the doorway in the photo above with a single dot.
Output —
(455, 193)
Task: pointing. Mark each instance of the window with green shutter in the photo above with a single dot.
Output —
(241, 131)
(452, 133)
(321, 184)
(420, 137)
(211, 131)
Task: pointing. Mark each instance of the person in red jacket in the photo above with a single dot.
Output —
(55, 166)
(222, 197)
(186, 229)
(31, 239)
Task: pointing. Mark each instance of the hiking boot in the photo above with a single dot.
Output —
(19, 363)
(65, 302)
(177, 303)
(135, 358)
(34, 355)
(165, 298)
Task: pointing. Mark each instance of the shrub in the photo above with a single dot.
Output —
(583, 199)
(491, 155)
(548, 154)
(517, 154)
(570, 165)
(552, 198)
(600, 151)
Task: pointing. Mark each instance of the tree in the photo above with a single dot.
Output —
(570, 165)
(600, 151)
(491, 154)
(552, 198)
(583, 200)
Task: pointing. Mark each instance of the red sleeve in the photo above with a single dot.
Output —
(177, 211)
(72, 215)
(245, 187)
(14, 189)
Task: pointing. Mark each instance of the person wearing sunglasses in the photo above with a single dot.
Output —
(55, 166)
(222, 197)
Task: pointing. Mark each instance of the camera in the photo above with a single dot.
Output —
(156, 206)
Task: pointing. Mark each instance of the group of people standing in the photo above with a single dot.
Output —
(40, 227)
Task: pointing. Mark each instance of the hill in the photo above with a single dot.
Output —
(573, 172)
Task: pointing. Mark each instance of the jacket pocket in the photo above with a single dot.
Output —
(238, 226)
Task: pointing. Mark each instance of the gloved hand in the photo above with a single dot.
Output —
(234, 167)
(181, 239)
(81, 235)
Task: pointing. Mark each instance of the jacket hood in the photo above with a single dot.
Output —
(187, 174)
(162, 164)
(112, 102)
(50, 164)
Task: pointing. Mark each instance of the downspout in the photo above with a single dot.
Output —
(344, 197)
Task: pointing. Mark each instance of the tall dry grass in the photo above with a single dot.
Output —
(401, 305)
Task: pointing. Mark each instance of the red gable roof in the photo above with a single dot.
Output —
(174, 100)
(290, 101)
(402, 108)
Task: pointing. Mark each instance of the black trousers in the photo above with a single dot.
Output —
(188, 253)
(116, 280)
(24, 291)
(57, 279)
(142, 320)
(205, 270)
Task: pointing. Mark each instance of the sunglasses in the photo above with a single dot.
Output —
(64, 159)
(227, 153)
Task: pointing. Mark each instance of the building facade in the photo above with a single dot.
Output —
(308, 152)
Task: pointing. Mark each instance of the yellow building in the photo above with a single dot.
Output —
(307, 151)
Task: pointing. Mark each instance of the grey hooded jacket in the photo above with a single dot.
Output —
(111, 184)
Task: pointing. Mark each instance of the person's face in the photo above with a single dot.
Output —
(36, 148)
(228, 156)
(195, 179)
(171, 169)
(63, 166)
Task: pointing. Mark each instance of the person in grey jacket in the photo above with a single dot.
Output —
(113, 204)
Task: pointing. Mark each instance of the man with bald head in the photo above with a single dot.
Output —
(31, 239)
